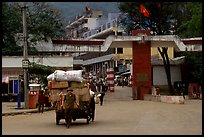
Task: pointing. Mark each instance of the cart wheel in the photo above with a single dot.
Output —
(89, 117)
(92, 118)
(87, 120)
(57, 121)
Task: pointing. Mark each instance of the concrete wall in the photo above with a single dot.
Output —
(101, 21)
(154, 51)
(159, 75)
(92, 23)
(53, 61)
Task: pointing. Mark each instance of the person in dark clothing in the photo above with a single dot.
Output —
(47, 97)
(41, 101)
(92, 86)
(98, 85)
(102, 93)
(69, 101)
(92, 107)
(101, 96)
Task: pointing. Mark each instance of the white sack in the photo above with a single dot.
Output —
(91, 93)
(74, 75)
(60, 75)
(99, 95)
(96, 99)
(50, 77)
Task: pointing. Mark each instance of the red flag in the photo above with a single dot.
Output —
(144, 11)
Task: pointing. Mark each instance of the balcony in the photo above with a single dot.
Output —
(103, 28)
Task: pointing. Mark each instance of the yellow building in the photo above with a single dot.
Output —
(124, 56)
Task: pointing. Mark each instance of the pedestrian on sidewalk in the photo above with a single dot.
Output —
(41, 101)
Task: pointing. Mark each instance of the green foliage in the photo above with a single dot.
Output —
(161, 20)
(191, 25)
(42, 21)
(11, 24)
(193, 62)
(41, 72)
(45, 21)
(180, 18)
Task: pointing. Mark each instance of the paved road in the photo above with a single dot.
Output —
(120, 115)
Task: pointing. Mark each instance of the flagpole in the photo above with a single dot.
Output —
(140, 17)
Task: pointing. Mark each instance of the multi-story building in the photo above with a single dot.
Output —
(95, 26)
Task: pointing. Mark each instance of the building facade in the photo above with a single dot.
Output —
(95, 26)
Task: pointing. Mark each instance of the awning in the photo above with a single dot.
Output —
(126, 73)
(34, 85)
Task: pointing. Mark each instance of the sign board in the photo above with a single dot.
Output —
(25, 63)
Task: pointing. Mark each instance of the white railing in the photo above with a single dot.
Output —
(108, 25)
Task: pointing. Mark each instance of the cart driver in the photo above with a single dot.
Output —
(69, 101)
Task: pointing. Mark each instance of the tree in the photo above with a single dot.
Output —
(11, 24)
(191, 23)
(192, 67)
(41, 72)
(191, 26)
(164, 18)
(43, 21)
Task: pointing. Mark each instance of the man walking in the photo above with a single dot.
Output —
(92, 106)
(69, 100)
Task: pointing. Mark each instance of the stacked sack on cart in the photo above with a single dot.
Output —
(60, 81)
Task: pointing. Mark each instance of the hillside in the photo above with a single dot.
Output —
(71, 9)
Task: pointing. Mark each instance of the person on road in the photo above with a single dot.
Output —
(92, 86)
(69, 101)
(41, 101)
(47, 98)
(92, 106)
(102, 93)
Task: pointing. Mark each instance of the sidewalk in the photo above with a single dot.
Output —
(11, 108)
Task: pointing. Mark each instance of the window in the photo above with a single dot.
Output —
(108, 25)
(119, 50)
(114, 50)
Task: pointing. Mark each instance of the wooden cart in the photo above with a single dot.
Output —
(81, 111)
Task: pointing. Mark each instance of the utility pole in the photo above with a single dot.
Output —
(25, 61)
